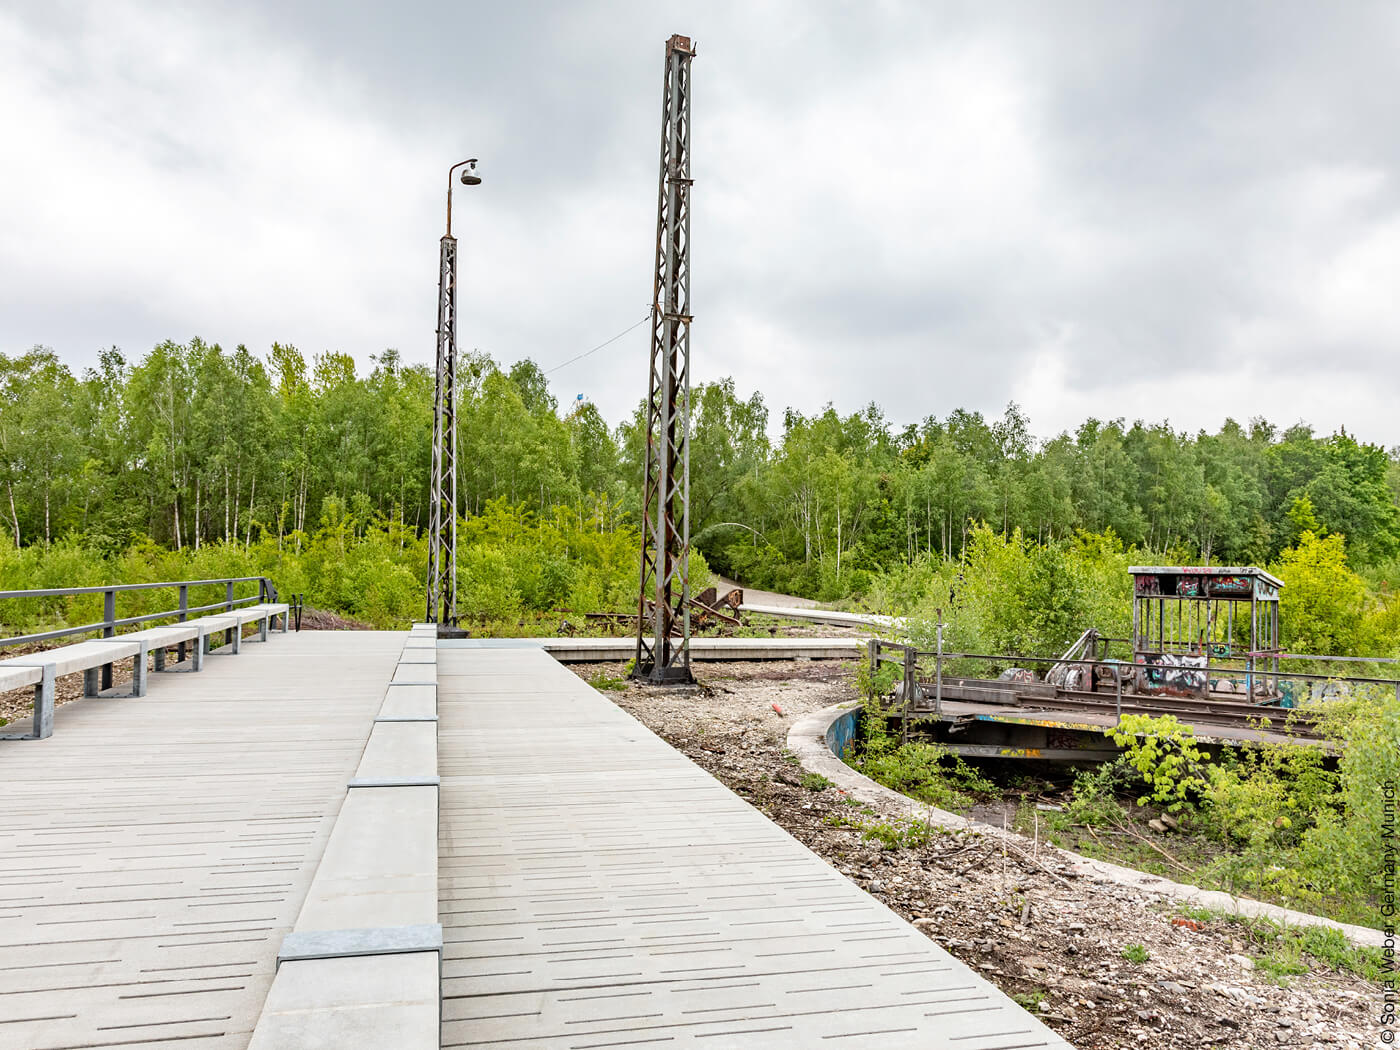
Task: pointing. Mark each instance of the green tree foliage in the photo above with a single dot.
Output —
(193, 445)
(1323, 603)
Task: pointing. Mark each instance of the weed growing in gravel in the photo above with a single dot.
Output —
(900, 834)
(927, 772)
(1281, 951)
(840, 820)
(1196, 912)
(816, 782)
(603, 680)
(1031, 1000)
(1135, 954)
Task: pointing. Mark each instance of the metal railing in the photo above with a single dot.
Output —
(912, 689)
(1216, 708)
(111, 621)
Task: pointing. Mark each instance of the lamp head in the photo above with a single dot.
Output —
(469, 175)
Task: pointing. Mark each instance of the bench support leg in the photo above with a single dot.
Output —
(92, 681)
(262, 627)
(158, 656)
(43, 705)
(201, 646)
(138, 673)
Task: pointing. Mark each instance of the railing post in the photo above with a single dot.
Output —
(938, 671)
(908, 691)
(1118, 696)
(872, 648)
(184, 615)
(109, 614)
(228, 603)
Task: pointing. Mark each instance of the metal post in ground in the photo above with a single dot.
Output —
(1118, 695)
(938, 671)
(873, 648)
(910, 684)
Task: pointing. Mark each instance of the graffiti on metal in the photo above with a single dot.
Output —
(1016, 674)
(1204, 582)
(1172, 674)
(1229, 586)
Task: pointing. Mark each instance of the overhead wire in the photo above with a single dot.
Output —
(600, 346)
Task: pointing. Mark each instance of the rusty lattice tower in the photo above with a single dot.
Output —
(663, 606)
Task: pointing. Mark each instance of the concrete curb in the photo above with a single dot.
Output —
(362, 967)
(815, 738)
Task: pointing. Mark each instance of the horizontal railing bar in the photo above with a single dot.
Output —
(1271, 654)
(1258, 672)
(44, 636)
(67, 632)
(108, 627)
(58, 592)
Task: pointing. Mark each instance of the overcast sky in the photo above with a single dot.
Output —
(1179, 211)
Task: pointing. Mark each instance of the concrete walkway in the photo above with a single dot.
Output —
(597, 889)
(156, 850)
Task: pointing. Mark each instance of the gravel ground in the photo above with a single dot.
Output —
(1024, 919)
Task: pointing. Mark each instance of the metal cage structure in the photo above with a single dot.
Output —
(1188, 618)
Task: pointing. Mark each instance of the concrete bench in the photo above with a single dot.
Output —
(228, 623)
(157, 640)
(87, 657)
(19, 676)
(273, 610)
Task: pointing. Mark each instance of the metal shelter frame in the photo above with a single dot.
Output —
(1184, 617)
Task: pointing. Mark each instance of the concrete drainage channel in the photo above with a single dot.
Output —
(822, 736)
(362, 965)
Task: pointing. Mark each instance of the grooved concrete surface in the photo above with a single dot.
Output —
(156, 850)
(597, 889)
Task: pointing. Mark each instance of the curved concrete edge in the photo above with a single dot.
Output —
(812, 740)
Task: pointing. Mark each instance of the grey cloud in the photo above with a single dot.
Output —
(1099, 200)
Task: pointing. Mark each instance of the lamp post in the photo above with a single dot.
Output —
(442, 538)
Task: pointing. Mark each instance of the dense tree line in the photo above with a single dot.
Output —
(193, 444)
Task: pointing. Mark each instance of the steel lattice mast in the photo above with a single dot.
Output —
(442, 524)
(663, 621)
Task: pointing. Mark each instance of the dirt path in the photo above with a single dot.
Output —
(1054, 940)
(754, 596)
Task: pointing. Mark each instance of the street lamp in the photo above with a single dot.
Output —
(442, 539)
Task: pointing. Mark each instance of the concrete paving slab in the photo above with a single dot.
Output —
(398, 750)
(409, 701)
(415, 674)
(368, 1003)
(380, 865)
